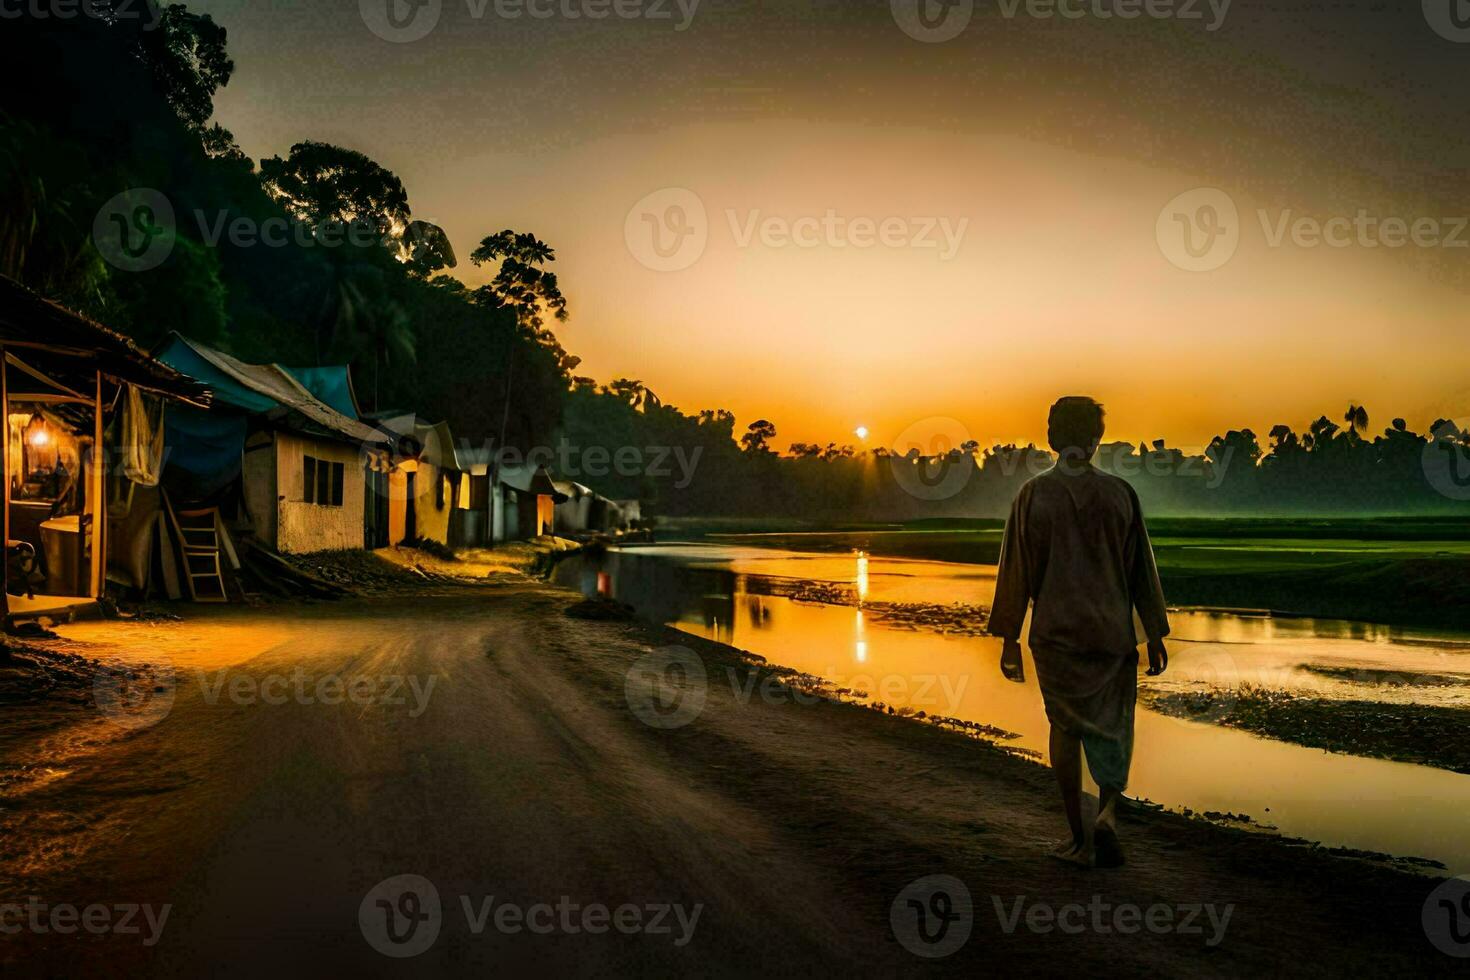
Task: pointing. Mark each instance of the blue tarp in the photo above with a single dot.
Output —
(202, 450)
(332, 385)
(205, 448)
(185, 360)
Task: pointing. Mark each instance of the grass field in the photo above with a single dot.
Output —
(1412, 571)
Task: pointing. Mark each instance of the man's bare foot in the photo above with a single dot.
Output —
(1107, 851)
(1072, 852)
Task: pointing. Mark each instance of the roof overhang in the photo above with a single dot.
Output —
(70, 348)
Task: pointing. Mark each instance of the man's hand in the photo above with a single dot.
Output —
(1158, 658)
(1010, 661)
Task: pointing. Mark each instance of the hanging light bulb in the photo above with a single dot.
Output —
(38, 434)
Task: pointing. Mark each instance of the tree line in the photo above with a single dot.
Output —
(1327, 469)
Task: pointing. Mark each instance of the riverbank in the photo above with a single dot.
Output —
(1398, 572)
(1424, 735)
(549, 762)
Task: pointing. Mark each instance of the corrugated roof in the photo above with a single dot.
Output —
(180, 355)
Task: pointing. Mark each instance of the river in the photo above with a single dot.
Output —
(723, 593)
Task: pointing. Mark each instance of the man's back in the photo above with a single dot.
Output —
(1076, 544)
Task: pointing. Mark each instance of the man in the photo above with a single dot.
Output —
(1076, 546)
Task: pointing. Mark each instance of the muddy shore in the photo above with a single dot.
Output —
(1425, 735)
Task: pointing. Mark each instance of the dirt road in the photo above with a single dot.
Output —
(568, 819)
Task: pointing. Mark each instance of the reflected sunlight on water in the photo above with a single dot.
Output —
(1364, 803)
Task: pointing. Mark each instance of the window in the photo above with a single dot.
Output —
(439, 491)
(322, 481)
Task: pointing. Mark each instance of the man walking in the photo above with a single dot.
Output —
(1076, 546)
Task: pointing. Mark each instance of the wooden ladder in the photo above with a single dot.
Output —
(198, 534)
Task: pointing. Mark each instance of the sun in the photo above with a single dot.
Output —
(861, 432)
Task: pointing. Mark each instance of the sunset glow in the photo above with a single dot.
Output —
(1056, 280)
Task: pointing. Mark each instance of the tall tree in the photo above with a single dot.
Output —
(758, 436)
(319, 183)
(521, 284)
(185, 54)
(425, 249)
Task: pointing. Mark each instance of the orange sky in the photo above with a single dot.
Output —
(1056, 146)
(1059, 286)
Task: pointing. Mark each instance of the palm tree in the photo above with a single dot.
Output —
(1322, 433)
(1356, 418)
(520, 284)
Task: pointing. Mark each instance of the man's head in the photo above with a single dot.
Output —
(1075, 427)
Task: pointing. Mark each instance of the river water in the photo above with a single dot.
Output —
(724, 593)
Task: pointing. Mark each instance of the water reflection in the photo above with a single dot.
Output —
(1305, 792)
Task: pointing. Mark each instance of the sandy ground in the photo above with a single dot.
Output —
(493, 748)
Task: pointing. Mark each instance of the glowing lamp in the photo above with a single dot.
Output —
(37, 433)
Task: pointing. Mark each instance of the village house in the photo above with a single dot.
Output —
(424, 485)
(201, 448)
(587, 512)
(502, 501)
(84, 450)
(297, 467)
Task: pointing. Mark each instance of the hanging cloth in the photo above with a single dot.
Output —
(142, 437)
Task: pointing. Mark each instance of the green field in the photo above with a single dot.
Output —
(1412, 571)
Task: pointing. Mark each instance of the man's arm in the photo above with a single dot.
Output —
(1148, 594)
(1012, 591)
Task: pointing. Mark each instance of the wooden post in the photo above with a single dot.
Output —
(97, 493)
(5, 480)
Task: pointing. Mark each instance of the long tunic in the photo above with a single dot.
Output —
(1076, 546)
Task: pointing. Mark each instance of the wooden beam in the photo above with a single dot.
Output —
(43, 378)
(5, 482)
(97, 495)
(81, 352)
(161, 392)
(22, 396)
